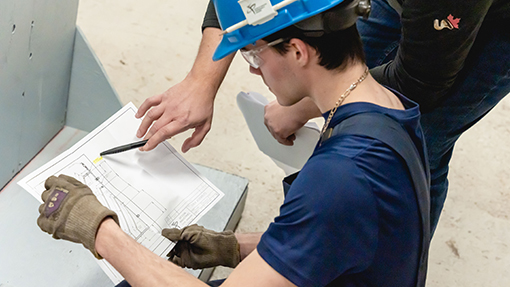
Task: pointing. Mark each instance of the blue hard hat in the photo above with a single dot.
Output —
(246, 21)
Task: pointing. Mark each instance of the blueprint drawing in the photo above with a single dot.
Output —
(149, 191)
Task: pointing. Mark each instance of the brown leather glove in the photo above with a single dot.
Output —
(72, 212)
(197, 247)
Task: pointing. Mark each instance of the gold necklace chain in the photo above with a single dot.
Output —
(342, 98)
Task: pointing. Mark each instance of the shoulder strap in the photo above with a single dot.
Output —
(391, 133)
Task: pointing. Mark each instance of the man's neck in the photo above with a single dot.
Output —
(328, 86)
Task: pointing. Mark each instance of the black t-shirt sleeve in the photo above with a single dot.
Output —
(429, 58)
(210, 18)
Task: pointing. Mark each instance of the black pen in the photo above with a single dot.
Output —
(124, 147)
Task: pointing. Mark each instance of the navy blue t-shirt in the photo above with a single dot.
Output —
(351, 216)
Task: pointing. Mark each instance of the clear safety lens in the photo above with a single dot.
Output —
(252, 56)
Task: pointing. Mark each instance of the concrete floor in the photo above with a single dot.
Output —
(148, 46)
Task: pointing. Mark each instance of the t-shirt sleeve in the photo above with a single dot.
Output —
(437, 36)
(327, 225)
(210, 18)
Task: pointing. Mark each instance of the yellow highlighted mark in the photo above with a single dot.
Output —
(98, 159)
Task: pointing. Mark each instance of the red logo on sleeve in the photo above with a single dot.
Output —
(450, 22)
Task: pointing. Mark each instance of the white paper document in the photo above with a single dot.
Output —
(149, 191)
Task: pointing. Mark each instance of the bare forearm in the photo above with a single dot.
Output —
(206, 70)
(138, 265)
(247, 242)
(283, 121)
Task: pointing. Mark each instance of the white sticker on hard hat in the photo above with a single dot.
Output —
(257, 11)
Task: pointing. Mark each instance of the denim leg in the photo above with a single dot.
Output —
(380, 33)
(483, 82)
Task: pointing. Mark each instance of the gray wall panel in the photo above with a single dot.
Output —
(92, 99)
(36, 47)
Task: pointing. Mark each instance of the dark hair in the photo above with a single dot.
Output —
(336, 50)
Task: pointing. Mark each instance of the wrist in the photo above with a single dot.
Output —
(247, 243)
(105, 233)
(204, 70)
(208, 74)
(95, 213)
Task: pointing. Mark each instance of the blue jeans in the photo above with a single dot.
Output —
(482, 83)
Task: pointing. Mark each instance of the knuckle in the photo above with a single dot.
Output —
(151, 114)
(165, 132)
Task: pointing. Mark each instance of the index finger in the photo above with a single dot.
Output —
(71, 180)
(162, 134)
(153, 116)
(45, 195)
(50, 181)
(147, 104)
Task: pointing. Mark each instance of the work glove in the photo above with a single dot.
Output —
(72, 212)
(197, 247)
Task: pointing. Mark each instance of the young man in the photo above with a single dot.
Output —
(452, 58)
(353, 216)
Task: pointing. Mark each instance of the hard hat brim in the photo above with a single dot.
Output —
(291, 14)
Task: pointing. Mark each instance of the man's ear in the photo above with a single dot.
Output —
(301, 52)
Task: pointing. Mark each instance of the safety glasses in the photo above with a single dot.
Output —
(252, 56)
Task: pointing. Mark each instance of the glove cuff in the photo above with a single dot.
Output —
(84, 220)
(233, 255)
